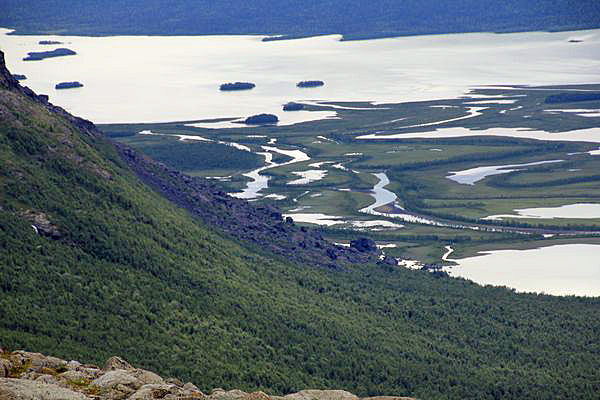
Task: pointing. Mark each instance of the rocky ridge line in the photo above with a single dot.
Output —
(34, 376)
(262, 225)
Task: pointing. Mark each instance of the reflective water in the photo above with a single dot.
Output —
(473, 175)
(572, 269)
(580, 135)
(579, 210)
(381, 195)
(259, 182)
(159, 79)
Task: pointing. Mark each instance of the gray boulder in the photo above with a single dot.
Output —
(150, 392)
(5, 367)
(116, 378)
(116, 363)
(21, 389)
(314, 394)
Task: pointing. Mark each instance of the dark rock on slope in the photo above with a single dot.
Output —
(256, 224)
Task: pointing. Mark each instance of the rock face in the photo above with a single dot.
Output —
(364, 245)
(34, 376)
(21, 389)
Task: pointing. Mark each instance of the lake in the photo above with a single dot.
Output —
(162, 79)
(572, 269)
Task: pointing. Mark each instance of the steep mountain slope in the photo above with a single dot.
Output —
(352, 18)
(93, 263)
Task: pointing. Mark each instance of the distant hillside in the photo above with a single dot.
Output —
(353, 18)
(93, 262)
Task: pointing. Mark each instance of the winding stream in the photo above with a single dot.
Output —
(259, 182)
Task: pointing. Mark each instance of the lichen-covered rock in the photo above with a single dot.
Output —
(73, 376)
(47, 379)
(190, 386)
(117, 377)
(314, 394)
(221, 394)
(73, 364)
(174, 381)
(5, 366)
(258, 396)
(166, 392)
(147, 377)
(116, 363)
(22, 389)
(150, 391)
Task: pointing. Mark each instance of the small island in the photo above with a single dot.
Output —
(261, 119)
(572, 97)
(237, 86)
(291, 106)
(19, 77)
(68, 85)
(36, 56)
(49, 42)
(310, 84)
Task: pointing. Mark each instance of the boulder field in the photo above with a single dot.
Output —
(34, 376)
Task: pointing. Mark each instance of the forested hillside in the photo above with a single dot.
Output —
(352, 18)
(94, 263)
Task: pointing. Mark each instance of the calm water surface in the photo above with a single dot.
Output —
(572, 269)
(160, 79)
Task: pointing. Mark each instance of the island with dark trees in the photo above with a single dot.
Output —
(68, 85)
(571, 97)
(36, 56)
(261, 119)
(292, 106)
(237, 86)
(19, 77)
(310, 84)
(49, 42)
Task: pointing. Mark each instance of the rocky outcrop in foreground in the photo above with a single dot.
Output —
(34, 376)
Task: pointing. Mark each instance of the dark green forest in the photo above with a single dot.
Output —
(354, 19)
